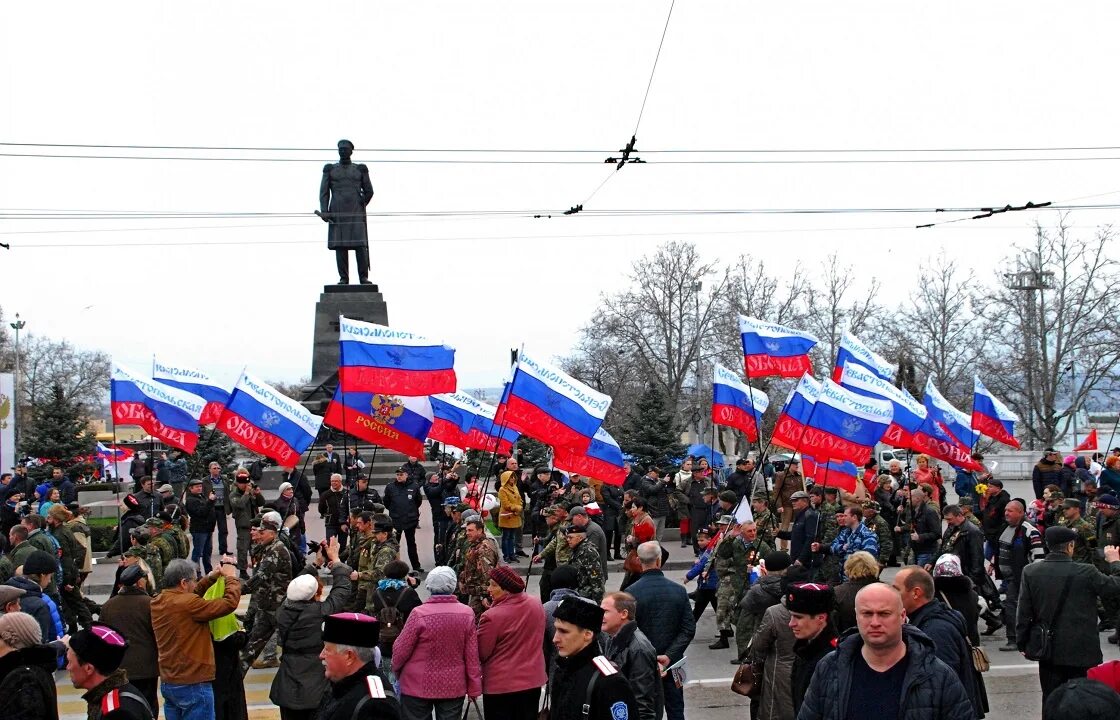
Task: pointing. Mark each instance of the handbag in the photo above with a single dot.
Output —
(980, 659)
(545, 713)
(1040, 633)
(746, 681)
(631, 564)
(477, 709)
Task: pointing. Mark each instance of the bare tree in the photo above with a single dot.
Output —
(609, 368)
(1052, 336)
(82, 375)
(938, 331)
(834, 305)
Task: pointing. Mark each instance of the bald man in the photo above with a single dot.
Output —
(870, 669)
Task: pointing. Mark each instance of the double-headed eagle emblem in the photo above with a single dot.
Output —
(5, 411)
(386, 409)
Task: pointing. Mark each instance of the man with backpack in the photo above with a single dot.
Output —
(392, 601)
(269, 586)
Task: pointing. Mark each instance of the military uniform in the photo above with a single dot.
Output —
(768, 525)
(163, 544)
(729, 555)
(365, 695)
(381, 554)
(270, 588)
(474, 580)
(1109, 534)
(829, 568)
(557, 548)
(1083, 549)
(611, 698)
(589, 569)
(885, 534)
(747, 555)
(116, 699)
(362, 551)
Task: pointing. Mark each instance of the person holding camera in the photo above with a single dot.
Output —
(245, 501)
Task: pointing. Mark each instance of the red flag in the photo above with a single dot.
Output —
(1090, 443)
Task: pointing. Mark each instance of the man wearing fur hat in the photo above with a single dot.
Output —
(94, 662)
(584, 677)
(351, 660)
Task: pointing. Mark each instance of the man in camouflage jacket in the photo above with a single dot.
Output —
(481, 558)
(767, 523)
(361, 558)
(1085, 547)
(382, 551)
(585, 559)
(270, 587)
(874, 521)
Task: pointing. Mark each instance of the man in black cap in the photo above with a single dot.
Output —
(810, 618)
(358, 689)
(402, 498)
(802, 533)
(93, 661)
(130, 611)
(584, 678)
(1063, 594)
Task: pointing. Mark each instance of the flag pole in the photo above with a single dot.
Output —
(1108, 446)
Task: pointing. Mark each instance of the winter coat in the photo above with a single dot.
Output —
(322, 471)
(807, 653)
(38, 606)
(633, 654)
(801, 536)
(27, 684)
(554, 599)
(960, 594)
(181, 623)
(664, 613)
(244, 507)
(712, 581)
(773, 644)
(129, 521)
(844, 611)
(966, 541)
(927, 524)
(657, 495)
(130, 611)
(509, 517)
(299, 682)
(930, 690)
(1075, 639)
(612, 501)
(405, 600)
(402, 500)
(946, 628)
(509, 634)
(1047, 473)
(436, 654)
(200, 509)
(992, 521)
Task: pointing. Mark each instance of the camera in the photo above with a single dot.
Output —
(314, 547)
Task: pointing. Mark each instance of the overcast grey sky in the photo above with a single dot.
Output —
(556, 75)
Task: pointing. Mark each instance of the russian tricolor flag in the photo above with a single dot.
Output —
(796, 412)
(941, 410)
(991, 417)
(845, 425)
(770, 349)
(602, 461)
(395, 422)
(165, 412)
(215, 394)
(736, 404)
(268, 423)
(113, 454)
(853, 351)
(378, 359)
(460, 420)
(934, 440)
(551, 406)
(832, 473)
(908, 412)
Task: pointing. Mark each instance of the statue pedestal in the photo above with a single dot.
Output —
(360, 302)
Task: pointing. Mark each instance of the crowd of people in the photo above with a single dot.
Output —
(355, 631)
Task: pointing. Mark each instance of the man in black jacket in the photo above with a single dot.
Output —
(585, 685)
(1073, 625)
(93, 660)
(867, 673)
(810, 608)
(632, 653)
(992, 520)
(926, 533)
(665, 616)
(657, 492)
(362, 496)
(946, 627)
(802, 534)
(966, 541)
(402, 499)
(358, 689)
(742, 480)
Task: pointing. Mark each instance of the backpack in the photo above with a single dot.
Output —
(391, 619)
(298, 558)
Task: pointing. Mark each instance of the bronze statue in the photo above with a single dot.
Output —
(343, 196)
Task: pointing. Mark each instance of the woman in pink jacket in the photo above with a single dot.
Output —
(509, 644)
(435, 657)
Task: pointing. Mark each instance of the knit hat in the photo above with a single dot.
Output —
(507, 579)
(302, 588)
(441, 581)
(809, 598)
(728, 496)
(272, 517)
(580, 612)
(354, 629)
(564, 576)
(1108, 501)
(9, 593)
(948, 565)
(285, 486)
(19, 630)
(777, 561)
(100, 645)
(40, 563)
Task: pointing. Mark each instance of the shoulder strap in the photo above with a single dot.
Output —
(585, 711)
(376, 690)
(138, 698)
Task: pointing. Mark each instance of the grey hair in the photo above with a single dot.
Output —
(365, 654)
(649, 553)
(177, 571)
(336, 475)
(441, 581)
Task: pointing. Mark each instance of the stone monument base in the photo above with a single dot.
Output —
(360, 302)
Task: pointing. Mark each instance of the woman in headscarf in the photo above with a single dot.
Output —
(956, 591)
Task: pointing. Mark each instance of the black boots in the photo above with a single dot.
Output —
(722, 643)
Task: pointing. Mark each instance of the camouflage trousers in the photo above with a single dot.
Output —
(727, 600)
(261, 638)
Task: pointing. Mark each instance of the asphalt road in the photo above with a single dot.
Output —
(1012, 683)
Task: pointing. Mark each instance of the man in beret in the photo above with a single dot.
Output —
(93, 660)
(1046, 585)
(350, 660)
(810, 608)
(577, 625)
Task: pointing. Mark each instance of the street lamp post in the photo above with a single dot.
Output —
(17, 326)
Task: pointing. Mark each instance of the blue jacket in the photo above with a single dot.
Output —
(702, 562)
(39, 606)
(849, 541)
(965, 484)
(664, 613)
